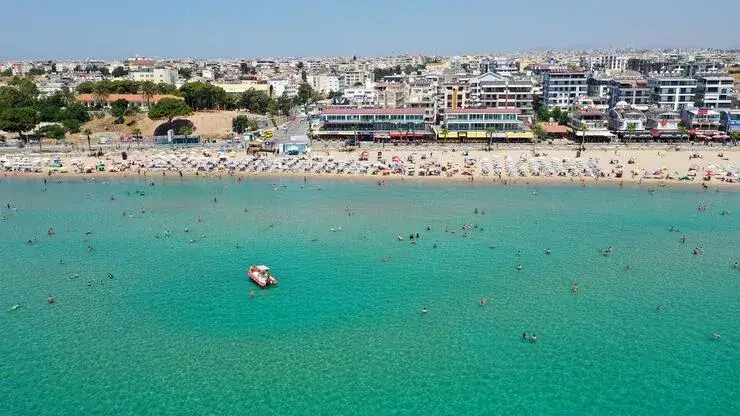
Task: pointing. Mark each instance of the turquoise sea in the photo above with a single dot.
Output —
(175, 331)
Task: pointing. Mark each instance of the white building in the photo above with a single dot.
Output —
(351, 79)
(157, 75)
(560, 88)
(604, 63)
(494, 91)
(360, 96)
(499, 66)
(323, 83)
(672, 92)
(714, 90)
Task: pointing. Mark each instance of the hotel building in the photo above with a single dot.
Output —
(672, 92)
(562, 87)
(482, 124)
(714, 91)
(368, 124)
(494, 91)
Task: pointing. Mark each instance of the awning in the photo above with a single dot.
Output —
(520, 135)
(448, 135)
(477, 135)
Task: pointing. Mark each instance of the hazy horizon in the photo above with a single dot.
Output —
(231, 30)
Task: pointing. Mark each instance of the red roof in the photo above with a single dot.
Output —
(485, 110)
(554, 128)
(373, 111)
(87, 98)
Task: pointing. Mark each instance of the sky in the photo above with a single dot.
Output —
(100, 29)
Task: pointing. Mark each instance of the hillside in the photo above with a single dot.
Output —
(213, 124)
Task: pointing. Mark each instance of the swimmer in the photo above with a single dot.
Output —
(199, 219)
(736, 266)
(534, 338)
(683, 239)
(424, 311)
(715, 335)
(251, 293)
(525, 336)
(519, 267)
(110, 275)
(575, 288)
(90, 249)
(657, 309)
(627, 267)
(483, 301)
(202, 236)
(50, 299)
(435, 246)
(15, 307)
(62, 261)
(548, 251)
(187, 230)
(191, 241)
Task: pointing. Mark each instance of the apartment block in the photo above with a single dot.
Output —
(494, 91)
(562, 87)
(672, 92)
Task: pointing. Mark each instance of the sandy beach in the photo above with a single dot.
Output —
(664, 165)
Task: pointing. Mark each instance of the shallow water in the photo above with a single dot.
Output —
(175, 332)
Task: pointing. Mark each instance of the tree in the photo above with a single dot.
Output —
(118, 109)
(101, 92)
(254, 101)
(683, 132)
(25, 86)
(36, 71)
(630, 131)
(8, 72)
(169, 108)
(85, 87)
(539, 132)
(299, 66)
(147, 89)
(240, 124)
(543, 114)
(284, 104)
(72, 125)
(119, 72)
(104, 71)
(489, 134)
(305, 93)
(87, 133)
(136, 132)
(185, 130)
(18, 120)
(246, 69)
(202, 96)
(272, 108)
(304, 77)
(186, 73)
(52, 131)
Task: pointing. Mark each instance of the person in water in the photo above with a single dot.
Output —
(716, 335)
(519, 267)
(424, 310)
(534, 338)
(50, 299)
(525, 336)
(548, 251)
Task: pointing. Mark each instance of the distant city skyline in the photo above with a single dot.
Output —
(37, 29)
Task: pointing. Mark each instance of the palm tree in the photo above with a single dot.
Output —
(147, 90)
(582, 147)
(87, 132)
(489, 134)
(101, 94)
(630, 131)
(683, 131)
(538, 131)
(445, 132)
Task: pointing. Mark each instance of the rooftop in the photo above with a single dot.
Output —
(484, 110)
(373, 111)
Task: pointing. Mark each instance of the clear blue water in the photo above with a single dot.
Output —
(175, 332)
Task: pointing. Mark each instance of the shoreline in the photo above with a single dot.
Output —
(518, 181)
(617, 167)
